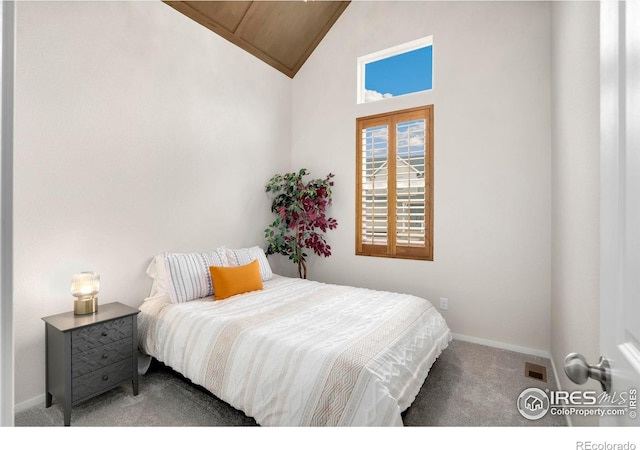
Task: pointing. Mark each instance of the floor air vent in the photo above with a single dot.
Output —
(535, 371)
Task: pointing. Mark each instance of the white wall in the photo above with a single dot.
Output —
(575, 301)
(137, 131)
(492, 158)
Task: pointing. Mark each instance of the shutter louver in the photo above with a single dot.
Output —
(410, 183)
(375, 185)
(394, 190)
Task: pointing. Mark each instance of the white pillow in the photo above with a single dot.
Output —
(242, 256)
(158, 272)
(184, 276)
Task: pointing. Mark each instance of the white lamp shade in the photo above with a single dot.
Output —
(85, 284)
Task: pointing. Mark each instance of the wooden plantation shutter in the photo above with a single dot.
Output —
(394, 191)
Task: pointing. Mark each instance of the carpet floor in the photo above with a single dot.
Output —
(469, 385)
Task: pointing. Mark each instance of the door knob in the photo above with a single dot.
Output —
(579, 371)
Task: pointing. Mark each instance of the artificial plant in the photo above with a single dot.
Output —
(301, 210)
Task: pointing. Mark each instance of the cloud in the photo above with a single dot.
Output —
(416, 141)
(372, 96)
(380, 132)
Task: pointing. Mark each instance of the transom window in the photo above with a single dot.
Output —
(399, 70)
(394, 198)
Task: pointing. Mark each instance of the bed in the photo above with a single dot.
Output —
(296, 352)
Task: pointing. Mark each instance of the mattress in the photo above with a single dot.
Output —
(300, 352)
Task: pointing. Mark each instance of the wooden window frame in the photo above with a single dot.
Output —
(391, 249)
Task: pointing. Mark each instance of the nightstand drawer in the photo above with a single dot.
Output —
(85, 362)
(100, 380)
(88, 338)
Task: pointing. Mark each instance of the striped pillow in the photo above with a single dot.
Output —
(243, 256)
(189, 276)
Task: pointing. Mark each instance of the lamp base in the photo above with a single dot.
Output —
(87, 305)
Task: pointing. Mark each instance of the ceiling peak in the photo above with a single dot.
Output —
(283, 34)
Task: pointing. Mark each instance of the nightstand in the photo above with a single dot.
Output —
(87, 355)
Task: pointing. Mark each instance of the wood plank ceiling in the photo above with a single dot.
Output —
(281, 33)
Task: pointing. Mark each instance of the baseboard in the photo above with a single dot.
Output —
(28, 404)
(502, 345)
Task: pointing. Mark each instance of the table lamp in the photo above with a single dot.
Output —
(85, 287)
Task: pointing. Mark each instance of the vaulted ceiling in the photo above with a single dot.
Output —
(281, 33)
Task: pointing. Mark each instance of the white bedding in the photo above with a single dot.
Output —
(301, 353)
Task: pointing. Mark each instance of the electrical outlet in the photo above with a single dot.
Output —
(444, 303)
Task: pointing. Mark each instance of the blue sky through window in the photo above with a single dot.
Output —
(410, 140)
(400, 74)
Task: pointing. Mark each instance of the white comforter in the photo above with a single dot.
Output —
(301, 353)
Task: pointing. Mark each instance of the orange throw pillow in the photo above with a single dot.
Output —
(230, 281)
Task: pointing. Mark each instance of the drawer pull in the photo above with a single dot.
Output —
(105, 377)
(105, 334)
(105, 356)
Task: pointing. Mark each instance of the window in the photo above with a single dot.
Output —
(399, 70)
(394, 192)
